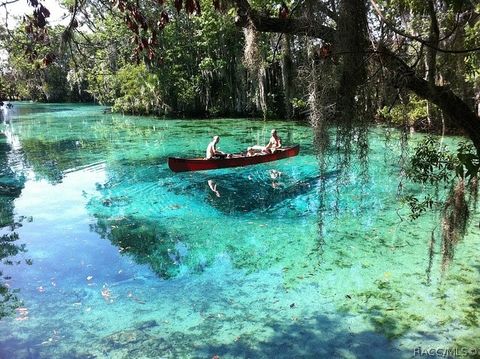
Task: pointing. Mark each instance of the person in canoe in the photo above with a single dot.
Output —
(212, 152)
(274, 144)
(252, 151)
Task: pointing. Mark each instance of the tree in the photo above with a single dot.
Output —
(350, 48)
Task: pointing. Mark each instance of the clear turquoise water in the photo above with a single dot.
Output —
(129, 260)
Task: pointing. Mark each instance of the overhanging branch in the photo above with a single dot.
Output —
(416, 38)
(5, 3)
(444, 98)
(295, 26)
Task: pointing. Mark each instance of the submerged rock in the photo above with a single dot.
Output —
(147, 325)
(135, 343)
(125, 338)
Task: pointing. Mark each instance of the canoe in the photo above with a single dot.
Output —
(177, 164)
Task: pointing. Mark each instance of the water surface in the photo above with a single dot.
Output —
(122, 258)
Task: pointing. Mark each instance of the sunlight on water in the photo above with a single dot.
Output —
(125, 259)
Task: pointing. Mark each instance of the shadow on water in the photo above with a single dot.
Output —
(9, 252)
(471, 318)
(170, 253)
(231, 193)
(320, 337)
(473, 315)
(11, 184)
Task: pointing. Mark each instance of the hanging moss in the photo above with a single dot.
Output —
(454, 223)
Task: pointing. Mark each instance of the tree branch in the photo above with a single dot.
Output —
(441, 96)
(9, 2)
(416, 38)
(431, 59)
(324, 8)
(444, 98)
(296, 26)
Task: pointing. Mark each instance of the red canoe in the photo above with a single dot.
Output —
(237, 160)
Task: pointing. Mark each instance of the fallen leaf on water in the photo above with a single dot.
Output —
(106, 294)
(22, 313)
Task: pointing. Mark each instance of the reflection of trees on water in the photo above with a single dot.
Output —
(50, 159)
(50, 152)
(147, 242)
(168, 250)
(11, 184)
(11, 187)
(9, 299)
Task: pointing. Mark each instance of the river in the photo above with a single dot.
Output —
(118, 257)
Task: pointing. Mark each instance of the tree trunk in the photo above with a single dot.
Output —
(350, 46)
(431, 52)
(445, 99)
(441, 96)
(287, 68)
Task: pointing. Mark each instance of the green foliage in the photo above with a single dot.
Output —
(29, 77)
(432, 163)
(472, 59)
(8, 248)
(468, 164)
(7, 87)
(198, 61)
(197, 68)
(299, 104)
(419, 206)
(408, 113)
(138, 91)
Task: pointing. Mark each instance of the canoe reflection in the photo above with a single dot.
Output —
(231, 195)
(213, 187)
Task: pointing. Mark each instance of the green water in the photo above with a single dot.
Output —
(125, 259)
